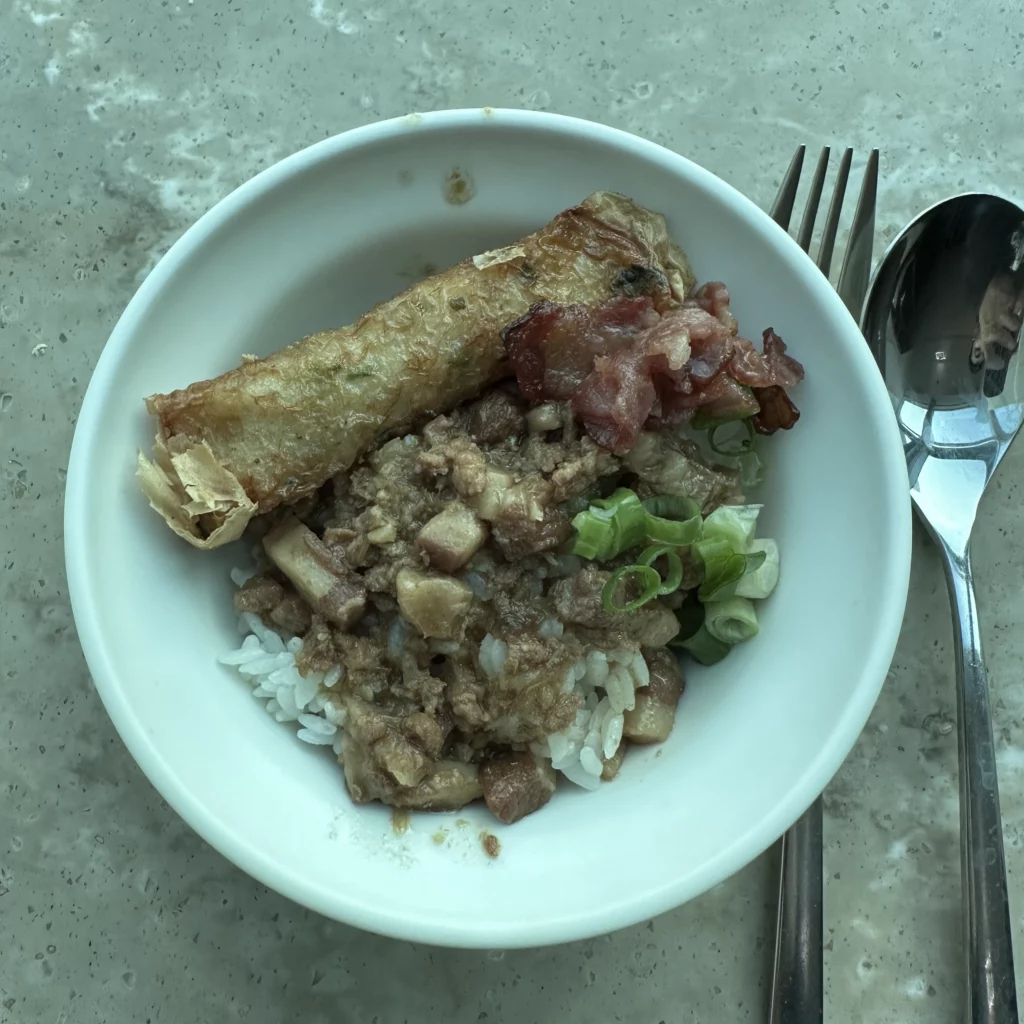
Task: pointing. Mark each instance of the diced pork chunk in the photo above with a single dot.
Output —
(653, 625)
(452, 537)
(259, 595)
(497, 417)
(519, 536)
(435, 605)
(275, 603)
(383, 756)
(490, 500)
(449, 786)
(401, 758)
(516, 784)
(652, 718)
(666, 677)
(545, 417)
(317, 574)
(291, 613)
(425, 730)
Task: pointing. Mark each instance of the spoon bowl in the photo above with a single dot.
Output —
(944, 311)
(943, 318)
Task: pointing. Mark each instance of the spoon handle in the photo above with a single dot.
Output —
(991, 993)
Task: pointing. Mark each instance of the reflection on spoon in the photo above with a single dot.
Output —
(999, 324)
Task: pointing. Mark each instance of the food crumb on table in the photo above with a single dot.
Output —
(491, 844)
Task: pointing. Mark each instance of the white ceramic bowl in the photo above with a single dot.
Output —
(313, 242)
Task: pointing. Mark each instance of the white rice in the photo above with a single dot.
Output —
(606, 682)
(398, 633)
(267, 662)
(480, 587)
(493, 655)
(240, 576)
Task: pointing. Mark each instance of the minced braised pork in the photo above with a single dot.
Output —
(578, 601)
(516, 784)
(277, 604)
(452, 538)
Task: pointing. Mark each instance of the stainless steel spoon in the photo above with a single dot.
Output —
(943, 318)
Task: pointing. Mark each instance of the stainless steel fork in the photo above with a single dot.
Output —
(797, 980)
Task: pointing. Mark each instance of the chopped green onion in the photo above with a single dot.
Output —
(672, 520)
(609, 526)
(671, 506)
(731, 621)
(594, 536)
(678, 535)
(754, 560)
(649, 579)
(723, 566)
(705, 648)
(694, 638)
(733, 446)
(732, 523)
(759, 582)
(672, 582)
(627, 517)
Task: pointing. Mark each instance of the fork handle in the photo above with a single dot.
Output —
(797, 988)
(991, 992)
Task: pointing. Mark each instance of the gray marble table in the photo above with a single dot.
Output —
(120, 122)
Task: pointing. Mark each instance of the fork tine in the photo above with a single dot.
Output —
(813, 199)
(856, 272)
(782, 208)
(828, 235)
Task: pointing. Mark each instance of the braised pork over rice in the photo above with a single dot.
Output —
(495, 597)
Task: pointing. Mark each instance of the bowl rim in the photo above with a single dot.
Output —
(349, 906)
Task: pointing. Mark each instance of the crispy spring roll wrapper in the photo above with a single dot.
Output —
(275, 429)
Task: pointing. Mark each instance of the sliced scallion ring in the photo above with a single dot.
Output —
(694, 638)
(671, 506)
(647, 577)
(670, 519)
(627, 517)
(594, 536)
(609, 526)
(723, 568)
(705, 648)
(731, 621)
(735, 447)
(672, 582)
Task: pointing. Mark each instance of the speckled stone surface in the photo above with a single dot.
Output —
(119, 124)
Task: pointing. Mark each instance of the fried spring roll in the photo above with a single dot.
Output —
(274, 430)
